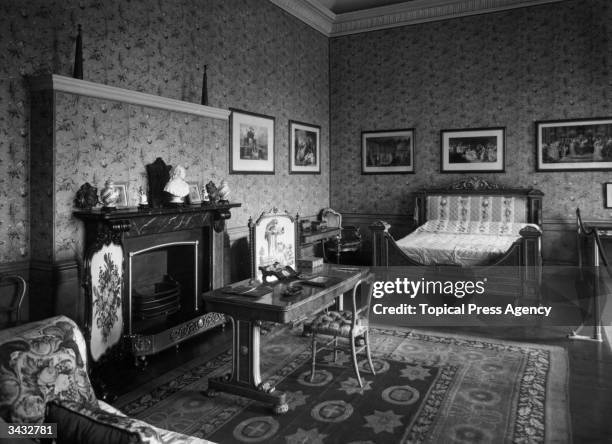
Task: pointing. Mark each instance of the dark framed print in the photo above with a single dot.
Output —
(251, 143)
(304, 148)
(607, 189)
(479, 150)
(574, 145)
(387, 151)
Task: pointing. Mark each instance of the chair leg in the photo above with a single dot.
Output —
(366, 337)
(314, 356)
(355, 366)
(335, 349)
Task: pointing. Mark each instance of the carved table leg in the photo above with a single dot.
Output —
(245, 378)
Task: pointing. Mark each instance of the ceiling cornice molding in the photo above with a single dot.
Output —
(311, 13)
(400, 14)
(54, 82)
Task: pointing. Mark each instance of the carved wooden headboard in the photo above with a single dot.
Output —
(520, 204)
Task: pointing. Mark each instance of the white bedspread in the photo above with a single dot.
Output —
(460, 243)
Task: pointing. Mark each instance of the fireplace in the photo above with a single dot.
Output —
(170, 256)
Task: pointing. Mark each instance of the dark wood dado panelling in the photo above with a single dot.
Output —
(9, 288)
(55, 289)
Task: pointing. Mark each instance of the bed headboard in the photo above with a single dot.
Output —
(477, 199)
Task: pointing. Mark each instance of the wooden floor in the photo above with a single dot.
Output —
(590, 363)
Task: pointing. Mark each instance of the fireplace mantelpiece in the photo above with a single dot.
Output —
(160, 230)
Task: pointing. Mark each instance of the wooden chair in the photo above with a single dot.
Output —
(350, 237)
(352, 325)
(13, 311)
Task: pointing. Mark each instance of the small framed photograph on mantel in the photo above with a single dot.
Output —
(304, 148)
(474, 150)
(251, 143)
(387, 151)
(122, 199)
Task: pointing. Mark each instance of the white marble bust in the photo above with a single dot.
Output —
(177, 185)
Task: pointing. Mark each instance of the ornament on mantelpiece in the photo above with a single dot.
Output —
(77, 72)
(204, 100)
(224, 192)
(142, 196)
(109, 196)
(86, 197)
(205, 196)
(213, 192)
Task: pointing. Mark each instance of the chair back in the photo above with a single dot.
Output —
(362, 311)
(13, 311)
(331, 218)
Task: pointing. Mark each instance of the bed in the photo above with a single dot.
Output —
(472, 223)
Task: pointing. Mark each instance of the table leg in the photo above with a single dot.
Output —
(245, 378)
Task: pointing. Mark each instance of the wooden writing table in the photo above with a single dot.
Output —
(248, 312)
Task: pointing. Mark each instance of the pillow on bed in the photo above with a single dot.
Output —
(484, 228)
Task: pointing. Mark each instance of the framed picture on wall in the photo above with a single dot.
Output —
(387, 151)
(607, 191)
(304, 148)
(480, 150)
(251, 143)
(574, 145)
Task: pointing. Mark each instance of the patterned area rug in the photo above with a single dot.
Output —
(428, 388)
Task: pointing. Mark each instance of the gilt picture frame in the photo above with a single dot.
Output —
(473, 150)
(304, 148)
(251, 143)
(574, 145)
(387, 151)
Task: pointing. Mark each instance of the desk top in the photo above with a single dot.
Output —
(308, 237)
(276, 307)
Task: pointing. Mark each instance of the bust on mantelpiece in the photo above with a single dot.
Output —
(176, 187)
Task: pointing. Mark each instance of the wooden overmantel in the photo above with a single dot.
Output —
(59, 83)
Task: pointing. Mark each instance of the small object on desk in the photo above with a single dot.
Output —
(292, 290)
(247, 290)
(314, 226)
(278, 272)
(309, 263)
(320, 281)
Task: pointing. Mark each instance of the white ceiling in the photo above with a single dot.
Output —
(341, 17)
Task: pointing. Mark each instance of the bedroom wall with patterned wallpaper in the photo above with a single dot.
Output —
(259, 59)
(506, 69)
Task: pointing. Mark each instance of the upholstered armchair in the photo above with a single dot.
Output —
(44, 378)
(350, 237)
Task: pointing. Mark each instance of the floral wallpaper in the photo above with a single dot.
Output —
(258, 58)
(507, 69)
